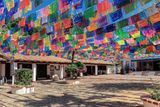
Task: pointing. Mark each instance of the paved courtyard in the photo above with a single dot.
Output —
(93, 91)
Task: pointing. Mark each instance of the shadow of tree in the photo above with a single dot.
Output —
(45, 82)
(94, 95)
(51, 100)
(121, 86)
(68, 100)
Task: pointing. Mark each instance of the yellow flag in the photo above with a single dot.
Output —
(47, 41)
(105, 40)
(136, 34)
(10, 5)
(37, 23)
(15, 36)
(121, 42)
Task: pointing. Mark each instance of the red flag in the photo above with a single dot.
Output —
(22, 22)
(103, 6)
(34, 36)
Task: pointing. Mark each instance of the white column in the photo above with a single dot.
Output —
(48, 70)
(62, 72)
(20, 66)
(106, 69)
(115, 69)
(135, 65)
(34, 69)
(96, 69)
(124, 66)
(81, 74)
(15, 67)
(3, 69)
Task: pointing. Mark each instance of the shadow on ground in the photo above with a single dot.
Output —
(45, 82)
(121, 86)
(68, 100)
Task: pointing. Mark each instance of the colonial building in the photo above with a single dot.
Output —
(44, 67)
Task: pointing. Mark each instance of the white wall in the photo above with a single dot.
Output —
(110, 69)
(2, 69)
(56, 69)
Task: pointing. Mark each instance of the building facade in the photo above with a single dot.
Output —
(44, 67)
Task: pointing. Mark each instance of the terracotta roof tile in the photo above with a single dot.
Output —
(48, 59)
(45, 59)
(96, 62)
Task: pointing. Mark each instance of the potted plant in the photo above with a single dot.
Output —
(23, 83)
(153, 99)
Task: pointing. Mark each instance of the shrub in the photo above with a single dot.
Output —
(79, 64)
(23, 77)
(80, 67)
(72, 68)
(155, 92)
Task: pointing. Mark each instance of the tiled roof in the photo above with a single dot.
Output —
(2, 60)
(42, 59)
(48, 59)
(96, 62)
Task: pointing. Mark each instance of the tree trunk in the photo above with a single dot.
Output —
(73, 53)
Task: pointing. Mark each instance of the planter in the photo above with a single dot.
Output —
(148, 102)
(22, 90)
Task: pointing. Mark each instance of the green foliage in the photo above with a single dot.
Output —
(34, 30)
(155, 92)
(25, 34)
(80, 67)
(23, 77)
(13, 23)
(79, 64)
(72, 68)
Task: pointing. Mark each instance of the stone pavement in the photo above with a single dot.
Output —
(93, 91)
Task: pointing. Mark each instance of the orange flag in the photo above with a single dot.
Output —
(34, 36)
(22, 22)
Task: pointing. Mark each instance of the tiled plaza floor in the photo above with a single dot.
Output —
(93, 91)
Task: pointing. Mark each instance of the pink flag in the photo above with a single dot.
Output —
(1, 10)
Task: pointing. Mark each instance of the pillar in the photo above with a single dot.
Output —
(96, 69)
(14, 68)
(124, 66)
(106, 69)
(3, 69)
(34, 69)
(48, 70)
(81, 74)
(20, 66)
(62, 72)
(115, 69)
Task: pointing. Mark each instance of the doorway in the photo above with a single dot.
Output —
(8, 71)
(90, 70)
(41, 71)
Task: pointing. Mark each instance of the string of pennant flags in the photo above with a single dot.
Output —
(95, 29)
